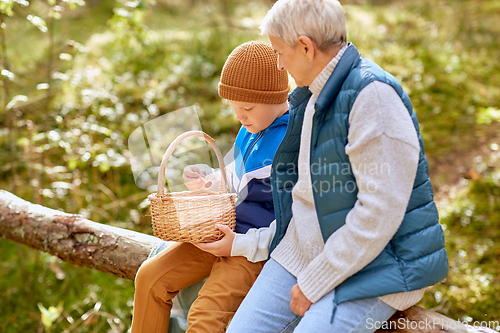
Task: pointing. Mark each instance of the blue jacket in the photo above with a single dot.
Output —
(250, 173)
(415, 257)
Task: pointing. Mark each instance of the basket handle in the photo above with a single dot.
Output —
(173, 145)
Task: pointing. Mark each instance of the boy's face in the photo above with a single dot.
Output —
(256, 117)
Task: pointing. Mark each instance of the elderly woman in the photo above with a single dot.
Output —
(357, 232)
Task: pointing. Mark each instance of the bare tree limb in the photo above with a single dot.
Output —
(72, 238)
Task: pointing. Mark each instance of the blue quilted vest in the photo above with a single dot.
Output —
(415, 257)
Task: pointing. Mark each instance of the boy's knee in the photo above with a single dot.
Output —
(149, 280)
(145, 272)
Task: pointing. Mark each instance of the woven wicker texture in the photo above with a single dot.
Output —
(251, 75)
(187, 216)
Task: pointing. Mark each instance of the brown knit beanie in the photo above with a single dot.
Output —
(251, 75)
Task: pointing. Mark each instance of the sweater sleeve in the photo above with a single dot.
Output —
(383, 150)
(254, 245)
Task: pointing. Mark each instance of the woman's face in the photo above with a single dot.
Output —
(294, 60)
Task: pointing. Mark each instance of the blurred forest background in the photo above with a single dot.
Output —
(77, 77)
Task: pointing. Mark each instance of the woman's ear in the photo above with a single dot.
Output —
(307, 46)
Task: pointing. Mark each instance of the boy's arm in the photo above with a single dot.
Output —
(254, 245)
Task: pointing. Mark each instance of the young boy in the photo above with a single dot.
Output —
(258, 92)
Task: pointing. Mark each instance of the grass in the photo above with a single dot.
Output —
(89, 301)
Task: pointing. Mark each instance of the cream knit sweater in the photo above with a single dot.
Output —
(383, 150)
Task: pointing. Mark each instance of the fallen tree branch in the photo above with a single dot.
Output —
(72, 238)
(120, 252)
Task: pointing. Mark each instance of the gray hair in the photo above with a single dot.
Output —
(321, 20)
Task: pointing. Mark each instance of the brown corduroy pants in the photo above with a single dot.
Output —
(181, 265)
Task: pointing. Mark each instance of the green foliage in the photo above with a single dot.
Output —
(40, 293)
(442, 53)
(70, 146)
(472, 228)
(103, 90)
(488, 115)
(7, 7)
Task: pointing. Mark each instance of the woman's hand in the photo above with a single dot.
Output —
(222, 247)
(299, 304)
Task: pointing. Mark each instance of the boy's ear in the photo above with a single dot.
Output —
(307, 47)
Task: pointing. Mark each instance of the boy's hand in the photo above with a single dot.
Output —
(194, 177)
(222, 247)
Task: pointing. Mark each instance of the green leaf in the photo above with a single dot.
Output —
(38, 22)
(72, 164)
(6, 8)
(50, 315)
(56, 15)
(103, 167)
(23, 142)
(73, 3)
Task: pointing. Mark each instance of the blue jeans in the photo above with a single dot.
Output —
(266, 309)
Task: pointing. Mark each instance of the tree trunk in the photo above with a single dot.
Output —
(120, 252)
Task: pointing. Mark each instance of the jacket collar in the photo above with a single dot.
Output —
(298, 95)
(281, 120)
(349, 60)
(332, 87)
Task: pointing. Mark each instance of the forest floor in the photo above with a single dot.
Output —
(448, 171)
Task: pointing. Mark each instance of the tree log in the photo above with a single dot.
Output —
(120, 252)
(72, 238)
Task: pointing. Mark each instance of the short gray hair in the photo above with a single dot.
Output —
(321, 20)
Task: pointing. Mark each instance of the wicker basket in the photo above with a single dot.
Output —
(192, 216)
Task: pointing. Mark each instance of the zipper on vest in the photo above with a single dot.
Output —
(278, 236)
(261, 133)
(333, 310)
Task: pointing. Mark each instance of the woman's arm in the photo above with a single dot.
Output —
(383, 150)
